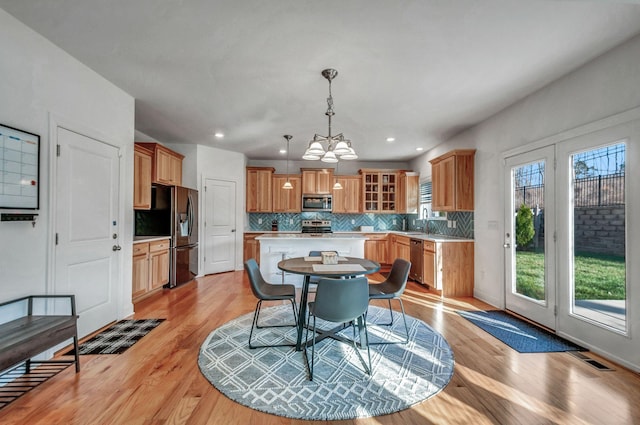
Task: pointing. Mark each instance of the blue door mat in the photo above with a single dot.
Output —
(518, 334)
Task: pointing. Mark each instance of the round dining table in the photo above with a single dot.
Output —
(312, 266)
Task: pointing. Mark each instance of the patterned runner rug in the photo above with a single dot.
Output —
(118, 338)
(522, 336)
(275, 380)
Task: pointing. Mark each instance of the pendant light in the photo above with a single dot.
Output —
(287, 185)
(337, 185)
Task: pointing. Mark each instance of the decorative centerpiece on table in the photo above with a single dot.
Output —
(329, 257)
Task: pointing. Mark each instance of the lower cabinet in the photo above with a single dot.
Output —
(448, 267)
(150, 267)
(251, 247)
(375, 248)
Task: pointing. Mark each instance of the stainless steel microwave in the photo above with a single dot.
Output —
(316, 203)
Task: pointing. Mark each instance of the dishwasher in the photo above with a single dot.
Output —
(416, 260)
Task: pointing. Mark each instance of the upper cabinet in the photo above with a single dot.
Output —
(287, 200)
(408, 192)
(166, 164)
(317, 181)
(142, 159)
(452, 181)
(259, 184)
(379, 190)
(347, 199)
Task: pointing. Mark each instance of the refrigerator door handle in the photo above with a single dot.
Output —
(190, 213)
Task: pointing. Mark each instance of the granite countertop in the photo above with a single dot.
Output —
(141, 239)
(357, 234)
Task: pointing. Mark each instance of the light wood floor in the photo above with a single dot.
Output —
(157, 381)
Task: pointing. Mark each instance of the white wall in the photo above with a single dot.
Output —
(214, 163)
(608, 85)
(38, 83)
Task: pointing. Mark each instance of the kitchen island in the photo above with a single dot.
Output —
(274, 246)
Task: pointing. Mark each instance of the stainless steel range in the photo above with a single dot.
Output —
(316, 227)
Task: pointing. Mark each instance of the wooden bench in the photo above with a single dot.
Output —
(31, 334)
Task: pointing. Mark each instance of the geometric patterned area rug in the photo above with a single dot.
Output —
(118, 338)
(518, 334)
(275, 380)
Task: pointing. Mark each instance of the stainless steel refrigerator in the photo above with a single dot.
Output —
(184, 236)
(174, 213)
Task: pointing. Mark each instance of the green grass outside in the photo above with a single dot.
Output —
(597, 276)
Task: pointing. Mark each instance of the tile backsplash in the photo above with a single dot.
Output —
(352, 222)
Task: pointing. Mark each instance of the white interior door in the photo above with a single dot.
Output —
(530, 257)
(219, 226)
(87, 256)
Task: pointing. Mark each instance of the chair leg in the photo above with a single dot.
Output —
(366, 337)
(406, 328)
(254, 324)
(404, 317)
(390, 312)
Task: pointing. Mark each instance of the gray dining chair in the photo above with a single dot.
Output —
(340, 301)
(265, 291)
(392, 289)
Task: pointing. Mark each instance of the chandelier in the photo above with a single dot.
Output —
(337, 146)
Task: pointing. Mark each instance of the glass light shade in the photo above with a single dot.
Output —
(337, 186)
(287, 185)
(329, 157)
(310, 157)
(341, 148)
(350, 155)
(315, 148)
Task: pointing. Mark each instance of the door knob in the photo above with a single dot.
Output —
(116, 248)
(507, 245)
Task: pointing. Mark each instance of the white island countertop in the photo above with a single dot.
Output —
(280, 236)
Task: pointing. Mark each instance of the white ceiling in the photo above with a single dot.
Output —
(417, 70)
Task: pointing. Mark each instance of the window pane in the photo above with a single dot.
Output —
(599, 270)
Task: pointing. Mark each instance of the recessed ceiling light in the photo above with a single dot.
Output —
(283, 151)
(219, 135)
(391, 139)
(419, 149)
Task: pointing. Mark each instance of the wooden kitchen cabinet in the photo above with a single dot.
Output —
(347, 199)
(452, 176)
(251, 247)
(317, 181)
(259, 189)
(166, 164)
(150, 267)
(403, 248)
(399, 247)
(379, 190)
(286, 200)
(140, 282)
(408, 192)
(375, 248)
(448, 267)
(142, 166)
(158, 263)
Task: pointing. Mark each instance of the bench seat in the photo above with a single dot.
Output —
(29, 335)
